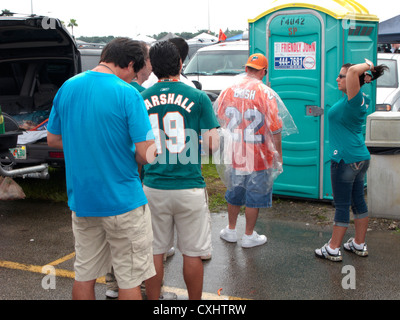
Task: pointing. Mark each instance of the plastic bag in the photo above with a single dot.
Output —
(10, 190)
(252, 116)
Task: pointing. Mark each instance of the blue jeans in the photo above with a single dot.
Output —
(253, 190)
(348, 190)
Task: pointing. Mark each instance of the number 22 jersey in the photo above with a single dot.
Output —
(248, 111)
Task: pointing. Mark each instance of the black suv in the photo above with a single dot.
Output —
(37, 55)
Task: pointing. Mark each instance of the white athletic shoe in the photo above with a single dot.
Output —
(254, 240)
(228, 234)
(351, 246)
(112, 294)
(325, 254)
(168, 254)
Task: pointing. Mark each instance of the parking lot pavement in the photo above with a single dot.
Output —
(36, 238)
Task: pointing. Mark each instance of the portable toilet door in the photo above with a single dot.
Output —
(303, 67)
(297, 65)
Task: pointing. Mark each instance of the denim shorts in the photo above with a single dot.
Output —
(348, 181)
(253, 190)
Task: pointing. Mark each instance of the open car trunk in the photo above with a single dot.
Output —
(37, 55)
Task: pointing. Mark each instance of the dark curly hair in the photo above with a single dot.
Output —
(165, 59)
(121, 51)
(378, 72)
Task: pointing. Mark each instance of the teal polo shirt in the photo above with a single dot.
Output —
(346, 122)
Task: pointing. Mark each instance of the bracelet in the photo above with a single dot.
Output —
(368, 63)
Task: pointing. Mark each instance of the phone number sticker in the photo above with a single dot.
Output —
(295, 56)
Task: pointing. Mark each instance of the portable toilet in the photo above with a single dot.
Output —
(306, 45)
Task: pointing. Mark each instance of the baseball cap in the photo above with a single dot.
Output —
(257, 61)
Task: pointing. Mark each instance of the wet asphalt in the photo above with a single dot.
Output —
(34, 234)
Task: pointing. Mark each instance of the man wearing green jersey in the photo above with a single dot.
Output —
(173, 183)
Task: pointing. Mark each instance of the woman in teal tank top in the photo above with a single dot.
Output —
(349, 159)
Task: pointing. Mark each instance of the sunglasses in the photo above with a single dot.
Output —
(341, 76)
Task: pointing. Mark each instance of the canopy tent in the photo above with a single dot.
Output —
(389, 30)
(206, 37)
(234, 38)
(141, 37)
(241, 36)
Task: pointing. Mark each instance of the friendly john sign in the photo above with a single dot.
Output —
(295, 56)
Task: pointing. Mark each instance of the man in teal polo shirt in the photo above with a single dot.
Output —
(173, 183)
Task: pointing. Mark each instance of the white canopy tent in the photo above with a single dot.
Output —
(141, 37)
(205, 37)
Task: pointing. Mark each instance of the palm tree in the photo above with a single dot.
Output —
(72, 23)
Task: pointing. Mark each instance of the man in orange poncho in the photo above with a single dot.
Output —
(248, 112)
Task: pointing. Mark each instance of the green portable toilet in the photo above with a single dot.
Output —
(306, 44)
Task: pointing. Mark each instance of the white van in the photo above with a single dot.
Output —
(215, 66)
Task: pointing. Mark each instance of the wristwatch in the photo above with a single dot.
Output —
(369, 63)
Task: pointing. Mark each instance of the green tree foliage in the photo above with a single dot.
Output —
(6, 12)
(72, 23)
(184, 35)
(97, 39)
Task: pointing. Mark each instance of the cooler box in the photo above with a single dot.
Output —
(383, 178)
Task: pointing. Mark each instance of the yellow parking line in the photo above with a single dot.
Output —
(39, 269)
(61, 260)
(20, 266)
(71, 274)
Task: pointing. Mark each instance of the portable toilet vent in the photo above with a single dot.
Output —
(306, 45)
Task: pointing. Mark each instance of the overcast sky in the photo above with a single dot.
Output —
(148, 17)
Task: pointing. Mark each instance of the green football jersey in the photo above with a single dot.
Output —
(178, 115)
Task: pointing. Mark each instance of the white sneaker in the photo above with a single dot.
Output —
(168, 254)
(112, 294)
(168, 296)
(360, 250)
(254, 240)
(111, 285)
(206, 257)
(228, 234)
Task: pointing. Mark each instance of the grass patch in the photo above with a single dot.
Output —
(215, 188)
(54, 189)
(321, 218)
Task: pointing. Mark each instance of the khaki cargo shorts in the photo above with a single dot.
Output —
(187, 211)
(122, 241)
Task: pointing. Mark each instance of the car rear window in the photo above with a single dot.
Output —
(211, 63)
(389, 78)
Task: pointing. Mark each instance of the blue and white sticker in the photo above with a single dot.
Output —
(295, 56)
